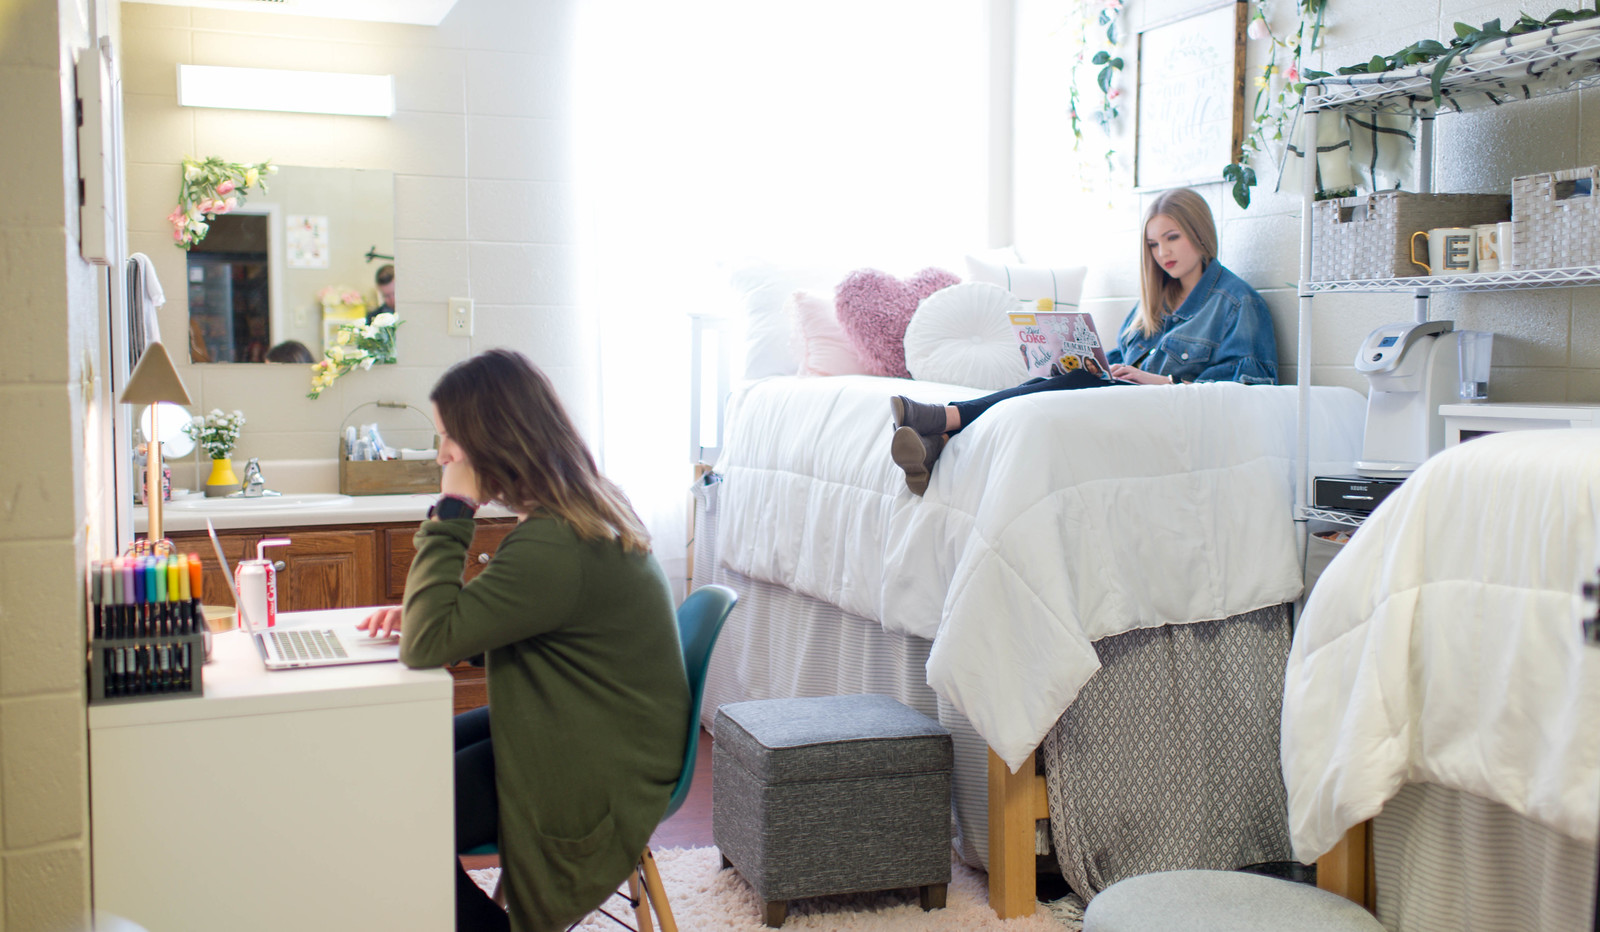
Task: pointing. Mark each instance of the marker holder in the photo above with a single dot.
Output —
(134, 669)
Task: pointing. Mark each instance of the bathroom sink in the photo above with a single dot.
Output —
(264, 503)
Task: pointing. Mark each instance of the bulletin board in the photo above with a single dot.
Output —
(1190, 109)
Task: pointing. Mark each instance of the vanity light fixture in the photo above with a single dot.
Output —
(232, 88)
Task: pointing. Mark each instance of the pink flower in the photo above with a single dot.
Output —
(225, 187)
(1114, 93)
(178, 235)
(229, 204)
(1257, 28)
(1293, 74)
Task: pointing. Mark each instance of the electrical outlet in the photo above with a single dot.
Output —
(459, 320)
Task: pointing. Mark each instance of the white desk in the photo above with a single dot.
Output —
(300, 799)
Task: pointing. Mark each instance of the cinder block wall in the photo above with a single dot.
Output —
(1547, 341)
(47, 384)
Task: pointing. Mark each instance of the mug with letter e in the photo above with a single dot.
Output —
(1489, 248)
(1451, 250)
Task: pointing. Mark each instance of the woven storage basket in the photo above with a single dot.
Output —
(1356, 238)
(1555, 219)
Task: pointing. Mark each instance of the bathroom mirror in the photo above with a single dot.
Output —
(281, 271)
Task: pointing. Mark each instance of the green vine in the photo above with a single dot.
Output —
(1106, 17)
(1468, 39)
(1280, 88)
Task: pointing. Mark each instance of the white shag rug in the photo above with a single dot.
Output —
(706, 898)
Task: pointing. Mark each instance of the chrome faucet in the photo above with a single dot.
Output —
(253, 485)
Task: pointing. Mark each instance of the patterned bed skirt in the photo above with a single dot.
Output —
(1184, 778)
(1444, 861)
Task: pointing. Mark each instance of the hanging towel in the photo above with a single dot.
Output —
(147, 296)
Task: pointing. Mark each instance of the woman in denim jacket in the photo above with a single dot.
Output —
(1197, 322)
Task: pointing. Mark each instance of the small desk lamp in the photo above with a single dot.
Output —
(154, 380)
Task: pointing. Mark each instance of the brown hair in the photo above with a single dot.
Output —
(505, 415)
(1158, 291)
(385, 274)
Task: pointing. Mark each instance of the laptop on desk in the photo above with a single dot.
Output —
(326, 645)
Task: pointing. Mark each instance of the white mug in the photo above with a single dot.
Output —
(1451, 250)
(1508, 260)
(1488, 239)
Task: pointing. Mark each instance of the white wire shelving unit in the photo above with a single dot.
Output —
(1507, 72)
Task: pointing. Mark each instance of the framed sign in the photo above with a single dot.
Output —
(1190, 113)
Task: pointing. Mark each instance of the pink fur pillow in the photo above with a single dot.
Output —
(820, 344)
(874, 308)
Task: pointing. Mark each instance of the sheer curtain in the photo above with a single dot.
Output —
(848, 133)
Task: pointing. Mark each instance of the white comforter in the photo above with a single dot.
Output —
(1053, 521)
(1443, 645)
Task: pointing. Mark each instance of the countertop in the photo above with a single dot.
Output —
(237, 684)
(228, 514)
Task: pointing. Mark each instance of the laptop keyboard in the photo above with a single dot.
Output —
(307, 645)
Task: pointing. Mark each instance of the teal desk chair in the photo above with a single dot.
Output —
(700, 620)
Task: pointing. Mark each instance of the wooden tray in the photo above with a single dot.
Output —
(385, 477)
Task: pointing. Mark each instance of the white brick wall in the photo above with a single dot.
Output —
(1547, 344)
(50, 314)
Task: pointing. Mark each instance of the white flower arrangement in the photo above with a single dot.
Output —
(357, 346)
(217, 432)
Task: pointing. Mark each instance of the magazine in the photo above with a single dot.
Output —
(1057, 342)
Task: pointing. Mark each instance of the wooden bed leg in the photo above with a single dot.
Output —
(1346, 868)
(1013, 805)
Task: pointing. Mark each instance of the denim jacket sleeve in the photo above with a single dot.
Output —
(1247, 349)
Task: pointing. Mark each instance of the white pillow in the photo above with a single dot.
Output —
(760, 290)
(820, 343)
(1031, 282)
(962, 335)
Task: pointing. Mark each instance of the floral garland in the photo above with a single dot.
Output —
(356, 346)
(211, 187)
(1106, 15)
(1280, 89)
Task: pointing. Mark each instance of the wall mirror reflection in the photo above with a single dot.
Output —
(273, 280)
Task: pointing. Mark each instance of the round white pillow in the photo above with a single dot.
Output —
(962, 335)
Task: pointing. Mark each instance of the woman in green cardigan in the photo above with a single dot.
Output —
(570, 766)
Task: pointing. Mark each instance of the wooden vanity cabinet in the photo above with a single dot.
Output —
(343, 567)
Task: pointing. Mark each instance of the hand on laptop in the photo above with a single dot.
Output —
(1132, 374)
(381, 623)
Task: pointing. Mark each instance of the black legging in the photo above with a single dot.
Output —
(477, 819)
(1077, 378)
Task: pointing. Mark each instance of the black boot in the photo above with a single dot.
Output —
(916, 453)
(923, 418)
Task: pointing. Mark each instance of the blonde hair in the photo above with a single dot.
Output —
(1158, 291)
(505, 415)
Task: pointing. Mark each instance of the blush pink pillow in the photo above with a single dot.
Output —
(820, 344)
(874, 308)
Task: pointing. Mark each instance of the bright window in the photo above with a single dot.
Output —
(841, 132)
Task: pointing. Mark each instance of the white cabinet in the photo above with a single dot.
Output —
(1466, 421)
(300, 799)
(1537, 64)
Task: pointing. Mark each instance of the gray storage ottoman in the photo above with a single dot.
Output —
(839, 794)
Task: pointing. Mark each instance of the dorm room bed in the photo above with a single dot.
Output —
(1438, 686)
(1136, 532)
